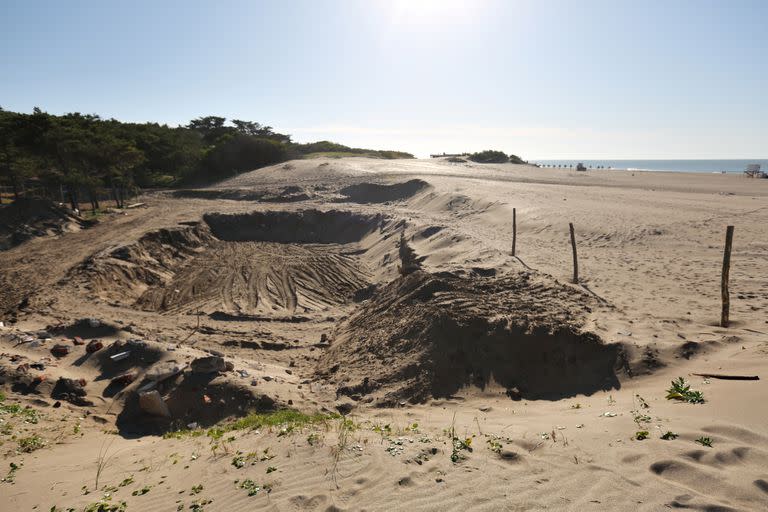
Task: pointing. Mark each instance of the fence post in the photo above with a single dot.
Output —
(514, 230)
(726, 296)
(575, 258)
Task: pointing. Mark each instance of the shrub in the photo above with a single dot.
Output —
(489, 156)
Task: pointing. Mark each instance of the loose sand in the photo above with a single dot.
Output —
(481, 382)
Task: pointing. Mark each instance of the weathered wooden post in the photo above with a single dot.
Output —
(575, 258)
(514, 230)
(724, 319)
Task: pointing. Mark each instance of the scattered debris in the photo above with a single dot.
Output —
(209, 364)
(61, 350)
(152, 403)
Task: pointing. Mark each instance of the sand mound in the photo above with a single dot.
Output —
(29, 218)
(377, 193)
(430, 335)
(285, 195)
(254, 265)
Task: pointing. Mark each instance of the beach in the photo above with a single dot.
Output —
(290, 274)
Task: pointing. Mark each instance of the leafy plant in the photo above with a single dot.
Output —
(30, 444)
(705, 441)
(104, 505)
(669, 436)
(27, 414)
(199, 505)
(271, 469)
(141, 492)
(250, 486)
(680, 390)
(11, 472)
(642, 434)
(494, 445)
(196, 489)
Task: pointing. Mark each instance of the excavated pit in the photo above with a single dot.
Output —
(431, 335)
(367, 193)
(255, 265)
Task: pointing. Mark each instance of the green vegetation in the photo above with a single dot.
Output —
(11, 472)
(682, 391)
(251, 487)
(327, 149)
(30, 444)
(287, 419)
(105, 506)
(642, 434)
(705, 441)
(92, 159)
(27, 414)
(490, 156)
(141, 492)
(669, 436)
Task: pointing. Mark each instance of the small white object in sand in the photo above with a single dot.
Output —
(608, 414)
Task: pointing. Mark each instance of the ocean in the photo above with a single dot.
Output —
(664, 165)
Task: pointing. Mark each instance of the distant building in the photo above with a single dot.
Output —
(580, 167)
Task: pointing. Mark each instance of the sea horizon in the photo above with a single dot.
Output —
(736, 165)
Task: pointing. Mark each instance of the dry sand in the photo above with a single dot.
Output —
(291, 274)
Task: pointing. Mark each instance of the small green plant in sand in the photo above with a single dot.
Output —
(199, 505)
(286, 419)
(458, 444)
(313, 439)
(494, 445)
(141, 492)
(11, 472)
(30, 444)
(669, 436)
(705, 441)
(196, 489)
(27, 414)
(682, 391)
(345, 428)
(642, 434)
(271, 469)
(104, 505)
(252, 487)
(126, 481)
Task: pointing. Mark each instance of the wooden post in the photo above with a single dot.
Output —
(514, 230)
(575, 258)
(724, 320)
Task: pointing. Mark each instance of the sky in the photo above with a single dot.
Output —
(537, 78)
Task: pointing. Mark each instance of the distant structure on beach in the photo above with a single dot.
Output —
(580, 167)
(447, 154)
(753, 171)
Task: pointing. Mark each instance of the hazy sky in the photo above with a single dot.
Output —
(541, 79)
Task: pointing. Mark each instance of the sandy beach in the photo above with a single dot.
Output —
(481, 381)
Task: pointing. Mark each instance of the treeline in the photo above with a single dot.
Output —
(85, 157)
(490, 156)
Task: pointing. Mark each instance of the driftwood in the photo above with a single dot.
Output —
(726, 377)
